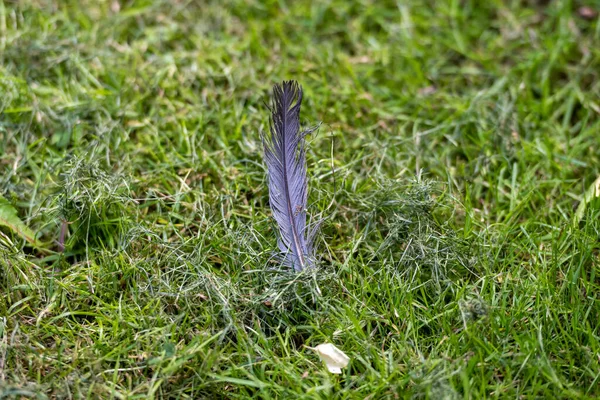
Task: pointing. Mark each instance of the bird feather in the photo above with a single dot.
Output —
(287, 180)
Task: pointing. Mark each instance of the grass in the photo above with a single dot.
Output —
(458, 139)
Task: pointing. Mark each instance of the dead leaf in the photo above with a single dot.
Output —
(360, 60)
(592, 193)
(428, 90)
(10, 219)
(587, 13)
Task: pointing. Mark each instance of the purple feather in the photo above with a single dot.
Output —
(286, 165)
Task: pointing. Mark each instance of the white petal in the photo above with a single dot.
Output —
(334, 358)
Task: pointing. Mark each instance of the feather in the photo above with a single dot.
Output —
(287, 180)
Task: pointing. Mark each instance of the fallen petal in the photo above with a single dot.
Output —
(334, 358)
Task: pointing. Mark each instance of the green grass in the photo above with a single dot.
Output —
(457, 142)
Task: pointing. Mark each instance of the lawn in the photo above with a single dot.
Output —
(455, 174)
